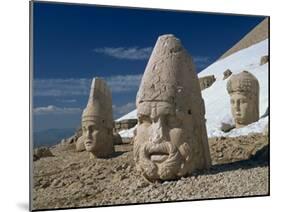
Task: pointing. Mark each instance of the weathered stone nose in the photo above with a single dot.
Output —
(237, 105)
(157, 134)
(88, 134)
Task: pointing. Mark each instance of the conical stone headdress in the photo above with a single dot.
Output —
(243, 82)
(170, 75)
(99, 107)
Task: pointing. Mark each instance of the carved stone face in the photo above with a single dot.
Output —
(243, 89)
(162, 147)
(241, 108)
(96, 138)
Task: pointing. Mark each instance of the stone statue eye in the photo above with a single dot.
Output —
(232, 101)
(91, 128)
(243, 101)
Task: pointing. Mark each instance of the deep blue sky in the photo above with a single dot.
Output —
(70, 42)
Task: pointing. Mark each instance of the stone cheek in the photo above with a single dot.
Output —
(80, 144)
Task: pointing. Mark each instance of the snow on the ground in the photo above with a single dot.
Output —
(127, 133)
(131, 115)
(217, 100)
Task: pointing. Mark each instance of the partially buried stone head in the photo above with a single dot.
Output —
(243, 89)
(171, 139)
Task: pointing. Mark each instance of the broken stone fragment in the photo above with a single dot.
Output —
(206, 81)
(226, 74)
(42, 152)
(264, 59)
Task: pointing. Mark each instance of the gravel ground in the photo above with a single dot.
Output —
(71, 179)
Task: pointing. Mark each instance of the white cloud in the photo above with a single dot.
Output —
(132, 53)
(67, 100)
(124, 83)
(201, 61)
(81, 87)
(51, 109)
(54, 110)
(61, 87)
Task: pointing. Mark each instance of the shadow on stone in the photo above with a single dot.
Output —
(116, 154)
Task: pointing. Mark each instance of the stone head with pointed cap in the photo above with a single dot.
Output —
(243, 89)
(97, 121)
(171, 139)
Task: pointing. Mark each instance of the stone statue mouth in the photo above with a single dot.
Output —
(158, 153)
(238, 117)
(238, 114)
(88, 143)
(160, 160)
(159, 157)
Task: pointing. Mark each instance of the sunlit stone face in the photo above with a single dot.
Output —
(95, 137)
(162, 147)
(241, 108)
(171, 139)
(243, 89)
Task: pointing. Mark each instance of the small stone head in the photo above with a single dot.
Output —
(97, 124)
(170, 137)
(243, 89)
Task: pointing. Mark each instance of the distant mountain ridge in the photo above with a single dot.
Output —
(51, 137)
(256, 35)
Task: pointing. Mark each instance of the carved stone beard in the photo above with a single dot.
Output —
(170, 164)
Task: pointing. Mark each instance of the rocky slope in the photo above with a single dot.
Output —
(72, 179)
(256, 35)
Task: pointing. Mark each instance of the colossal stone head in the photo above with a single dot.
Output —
(171, 139)
(97, 121)
(243, 89)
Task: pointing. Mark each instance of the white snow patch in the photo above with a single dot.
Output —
(131, 115)
(256, 127)
(217, 100)
(127, 133)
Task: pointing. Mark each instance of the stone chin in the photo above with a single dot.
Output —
(239, 121)
(90, 145)
(161, 161)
